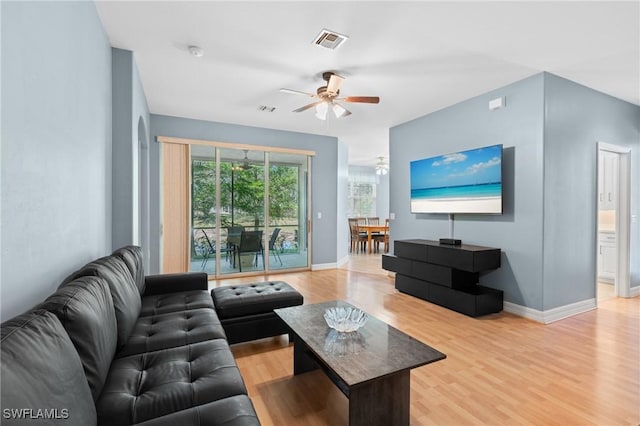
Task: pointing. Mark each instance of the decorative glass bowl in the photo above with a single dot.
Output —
(344, 344)
(345, 319)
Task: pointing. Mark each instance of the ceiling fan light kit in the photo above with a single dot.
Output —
(339, 110)
(382, 167)
(328, 95)
(245, 165)
(321, 110)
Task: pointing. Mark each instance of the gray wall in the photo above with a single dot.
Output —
(324, 171)
(122, 192)
(549, 130)
(342, 193)
(576, 119)
(382, 197)
(470, 124)
(56, 146)
(130, 144)
(140, 131)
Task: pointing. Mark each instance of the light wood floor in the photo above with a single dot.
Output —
(500, 369)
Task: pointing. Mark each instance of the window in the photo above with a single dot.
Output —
(362, 192)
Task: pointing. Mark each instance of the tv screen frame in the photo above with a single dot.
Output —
(468, 182)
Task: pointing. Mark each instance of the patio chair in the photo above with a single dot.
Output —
(272, 245)
(250, 242)
(210, 249)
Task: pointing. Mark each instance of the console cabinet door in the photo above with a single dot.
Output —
(607, 256)
(607, 180)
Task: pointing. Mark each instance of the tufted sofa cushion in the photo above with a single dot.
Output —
(132, 257)
(173, 329)
(125, 294)
(256, 298)
(233, 411)
(85, 309)
(41, 369)
(175, 302)
(153, 384)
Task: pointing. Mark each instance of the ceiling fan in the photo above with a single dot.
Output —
(245, 165)
(327, 96)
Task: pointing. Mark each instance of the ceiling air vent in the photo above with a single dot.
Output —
(329, 39)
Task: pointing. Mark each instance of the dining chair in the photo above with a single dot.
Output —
(382, 237)
(358, 239)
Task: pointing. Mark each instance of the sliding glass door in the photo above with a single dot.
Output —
(204, 214)
(288, 174)
(232, 232)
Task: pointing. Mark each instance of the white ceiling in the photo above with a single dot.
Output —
(417, 56)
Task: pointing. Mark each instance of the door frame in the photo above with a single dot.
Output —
(622, 281)
(217, 145)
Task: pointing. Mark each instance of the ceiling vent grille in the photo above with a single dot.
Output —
(329, 39)
(266, 108)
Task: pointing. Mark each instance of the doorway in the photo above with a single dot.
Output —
(612, 222)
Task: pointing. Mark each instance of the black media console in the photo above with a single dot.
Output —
(446, 275)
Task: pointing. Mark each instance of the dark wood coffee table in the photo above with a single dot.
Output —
(371, 366)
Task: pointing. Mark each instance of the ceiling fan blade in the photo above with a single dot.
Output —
(297, 92)
(306, 107)
(362, 99)
(335, 82)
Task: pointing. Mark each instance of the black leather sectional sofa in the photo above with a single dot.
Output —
(113, 347)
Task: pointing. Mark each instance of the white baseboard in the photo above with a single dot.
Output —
(336, 265)
(322, 266)
(606, 280)
(634, 291)
(550, 315)
(523, 311)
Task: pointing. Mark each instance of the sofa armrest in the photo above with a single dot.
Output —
(171, 283)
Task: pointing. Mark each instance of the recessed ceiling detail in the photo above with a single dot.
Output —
(329, 39)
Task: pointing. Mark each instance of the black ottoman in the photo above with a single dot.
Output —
(246, 311)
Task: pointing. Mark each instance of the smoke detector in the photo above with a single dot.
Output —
(196, 51)
(329, 39)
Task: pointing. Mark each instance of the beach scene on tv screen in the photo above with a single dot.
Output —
(461, 182)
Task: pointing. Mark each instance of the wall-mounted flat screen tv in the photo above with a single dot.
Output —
(460, 182)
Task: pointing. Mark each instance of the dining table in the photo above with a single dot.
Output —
(370, 229)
